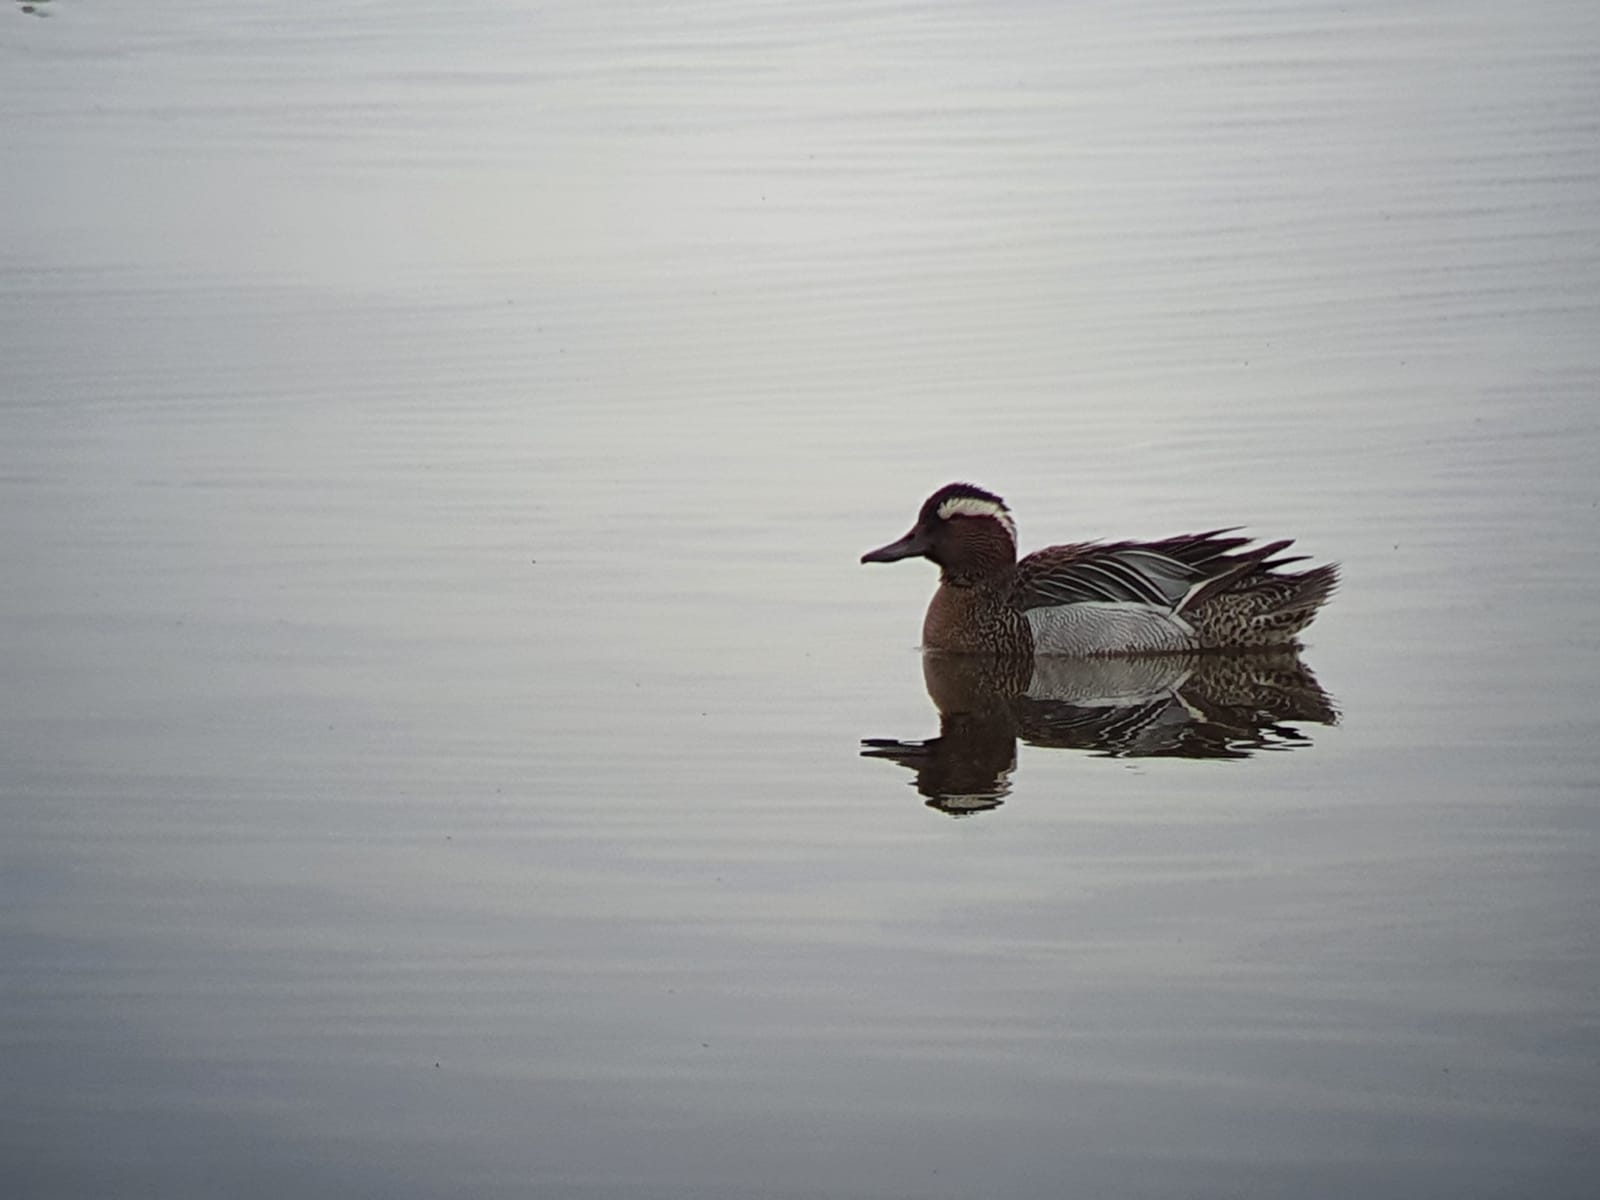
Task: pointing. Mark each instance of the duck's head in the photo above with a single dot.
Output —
(963, 528)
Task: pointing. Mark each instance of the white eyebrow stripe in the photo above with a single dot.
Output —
(972, 506)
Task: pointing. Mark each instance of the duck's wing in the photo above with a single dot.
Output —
(1167, 574)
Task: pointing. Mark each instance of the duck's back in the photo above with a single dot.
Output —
(1198, 591)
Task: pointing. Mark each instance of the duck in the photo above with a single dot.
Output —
(1195, 592)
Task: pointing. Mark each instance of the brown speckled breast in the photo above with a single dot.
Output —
(974, 619)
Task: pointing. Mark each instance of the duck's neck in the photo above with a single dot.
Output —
(992, 577)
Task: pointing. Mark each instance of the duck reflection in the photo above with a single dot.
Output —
(1167, 706)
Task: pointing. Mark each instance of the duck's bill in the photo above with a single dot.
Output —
(909, 546)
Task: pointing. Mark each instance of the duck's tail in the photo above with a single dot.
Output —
(1265, 607)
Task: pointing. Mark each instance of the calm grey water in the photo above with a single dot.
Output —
(435, 447)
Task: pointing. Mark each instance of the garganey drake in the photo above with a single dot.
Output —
(1201, 591)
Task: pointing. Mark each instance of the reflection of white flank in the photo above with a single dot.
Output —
(972, 506)
(1110, 682)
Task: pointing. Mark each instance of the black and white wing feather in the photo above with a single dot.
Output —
(1171, 574)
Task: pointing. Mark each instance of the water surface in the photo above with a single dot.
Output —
(435, 447)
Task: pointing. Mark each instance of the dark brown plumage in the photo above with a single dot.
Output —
(1209, 590)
